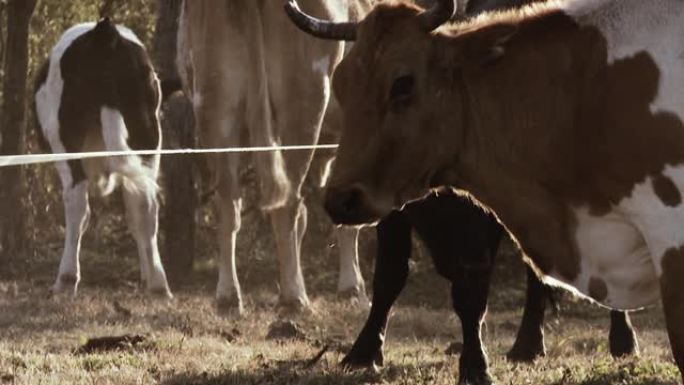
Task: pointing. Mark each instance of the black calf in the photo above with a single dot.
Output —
(463, 242)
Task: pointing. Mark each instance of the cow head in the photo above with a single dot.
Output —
(398, 89)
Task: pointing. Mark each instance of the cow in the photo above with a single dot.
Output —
(564, 118)
(97, 91)
(254, 80)
(460, 236)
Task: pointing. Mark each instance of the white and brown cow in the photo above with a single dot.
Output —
(565, 118)
(255, 80)
(98, 92)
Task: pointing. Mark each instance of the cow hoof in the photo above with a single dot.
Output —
(355, 360)
(161, 292)
(66, 284)
(622, 340)
(294, 305)
(525, 354)
(475, 379)
(356, 296)
(623, 349)
(229, 305)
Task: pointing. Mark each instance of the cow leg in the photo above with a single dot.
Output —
(142, 210)
(350, 281)
(289, 225)
(391, 272)
(623, 341)
(672, 294)
(77, 213)
(529, 344)
(469, 298)
(228, 294)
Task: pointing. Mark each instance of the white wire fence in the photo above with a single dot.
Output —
(20, 160)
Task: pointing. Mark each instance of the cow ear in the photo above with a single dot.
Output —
(486, 45)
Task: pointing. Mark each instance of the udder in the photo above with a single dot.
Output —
(616, 268)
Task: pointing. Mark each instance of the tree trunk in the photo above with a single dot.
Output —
(179, 184)
(13, 127)
(165, 40)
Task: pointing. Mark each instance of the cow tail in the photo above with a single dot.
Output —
(270, 166)
(134, 174)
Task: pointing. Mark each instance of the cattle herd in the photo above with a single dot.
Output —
(558, 122)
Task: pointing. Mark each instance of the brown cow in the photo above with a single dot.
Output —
(564, 118)
(254, 80)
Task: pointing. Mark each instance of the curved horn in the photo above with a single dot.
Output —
(440, 13)
(322, 29)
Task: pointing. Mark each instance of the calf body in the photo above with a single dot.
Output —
(98, 92)
(566, 116)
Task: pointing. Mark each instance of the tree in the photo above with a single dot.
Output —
(13, 127)
(179, 185)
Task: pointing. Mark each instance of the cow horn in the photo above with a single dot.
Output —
(440, 13)
(322, 29)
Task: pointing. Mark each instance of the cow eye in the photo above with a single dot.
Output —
(401, 92)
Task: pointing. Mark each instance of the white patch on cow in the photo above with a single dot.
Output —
(129, 35)
(322, 66)
(635, 26)
(660, 224)
(49, 95)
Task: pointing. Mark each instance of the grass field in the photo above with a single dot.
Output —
(188, 343)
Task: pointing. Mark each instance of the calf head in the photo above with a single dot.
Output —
(402, 101)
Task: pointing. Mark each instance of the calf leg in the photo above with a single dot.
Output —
(529, 344)
(143, 220)
(622, 338)
(391, 271)
(77, 213)
(350, 282)
(469, 296)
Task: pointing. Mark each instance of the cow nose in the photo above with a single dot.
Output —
(347, 206)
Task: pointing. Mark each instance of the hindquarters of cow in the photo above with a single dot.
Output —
(98, 92)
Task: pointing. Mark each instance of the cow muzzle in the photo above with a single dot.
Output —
(352, 206)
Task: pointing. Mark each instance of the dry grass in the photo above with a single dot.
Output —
(189, 344)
